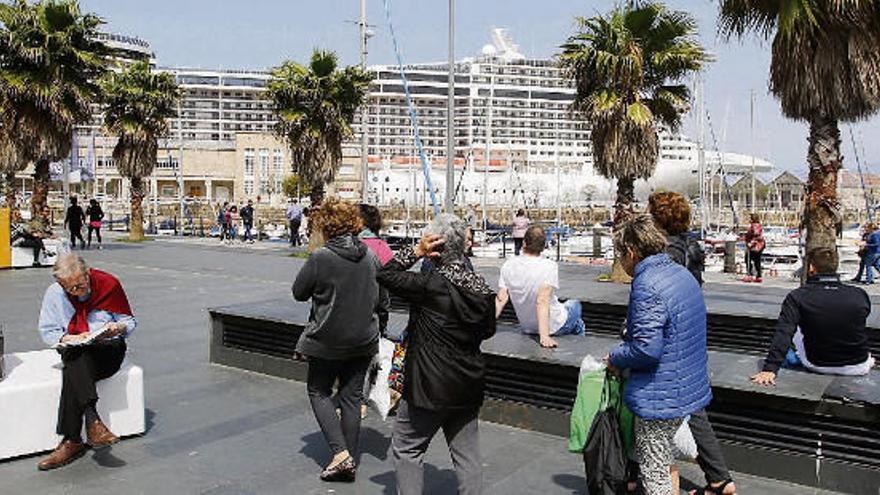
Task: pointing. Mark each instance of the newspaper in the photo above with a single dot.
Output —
(93, 336)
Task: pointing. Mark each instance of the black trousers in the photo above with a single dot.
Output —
(341, 432)
(76, 233)
(755, 262)
(83, 367)
(294, 232)
(36, 244)
(517, 245)
(709, 455)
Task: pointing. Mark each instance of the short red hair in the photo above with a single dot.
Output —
(671, 211)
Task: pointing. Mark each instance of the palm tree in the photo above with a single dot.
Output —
(627, 66)
(50, 62)
(314, 106)
(825, 68)
(138, 104)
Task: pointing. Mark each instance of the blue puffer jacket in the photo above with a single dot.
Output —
(665, 343)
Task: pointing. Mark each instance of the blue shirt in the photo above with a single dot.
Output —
(56, 312)
(873, 244)
(293, 212)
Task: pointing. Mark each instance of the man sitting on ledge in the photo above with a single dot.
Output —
(82, 301)
(531, 282)
(825, 321)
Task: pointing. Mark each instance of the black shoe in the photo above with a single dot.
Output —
(344, 471)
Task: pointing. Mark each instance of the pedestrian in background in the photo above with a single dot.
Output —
(221, 220)
(96, 215)
(521, 223)
(247, 220)
(342, 334)
(294, 219)
(372, 220)
(755, 245)
(73, 221)
(232, 221)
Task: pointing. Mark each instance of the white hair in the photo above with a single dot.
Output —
(69, 265)
(453, 230)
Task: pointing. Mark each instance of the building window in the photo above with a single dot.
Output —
(278, 163)
(264, 162)
(264, 186)
(248, 187)
(249, 163)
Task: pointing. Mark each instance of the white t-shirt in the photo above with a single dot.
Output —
(522, 276)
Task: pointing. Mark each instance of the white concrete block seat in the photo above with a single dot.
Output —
(23, 257)
(29, 396)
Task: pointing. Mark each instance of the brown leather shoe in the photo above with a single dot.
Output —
(100, 436)
(66, 452)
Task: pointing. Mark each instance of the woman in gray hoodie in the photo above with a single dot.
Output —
(342, 334)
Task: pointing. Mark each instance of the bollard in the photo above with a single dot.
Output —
(597, 244)
(558, 246)
(503, 245)
(729, 256)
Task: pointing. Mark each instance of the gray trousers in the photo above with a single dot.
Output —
(413, 431)
(709, 455)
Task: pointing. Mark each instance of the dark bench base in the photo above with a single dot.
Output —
(814, 430)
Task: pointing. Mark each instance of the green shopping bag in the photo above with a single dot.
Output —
(590, 400)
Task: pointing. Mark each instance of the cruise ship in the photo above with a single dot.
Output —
(515, 138)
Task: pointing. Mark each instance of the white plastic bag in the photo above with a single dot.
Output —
(685, 445)
(379, 396)
(590, 364)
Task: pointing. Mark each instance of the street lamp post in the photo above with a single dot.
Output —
(450, 116)
(364, 162)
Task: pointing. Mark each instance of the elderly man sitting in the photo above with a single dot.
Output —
(83, 301)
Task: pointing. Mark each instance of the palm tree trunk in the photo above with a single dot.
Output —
(316, 194)
(821, 208)
(9, 178)
(622, 211)
(41, 187)
(136, 229)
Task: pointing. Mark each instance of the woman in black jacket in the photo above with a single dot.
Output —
(453, 312)
(342, 334)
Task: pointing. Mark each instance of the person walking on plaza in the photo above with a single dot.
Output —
(867, 230)
(294, 219)
(247, 221)
(232, 221)
(372, 219)
(452, 313)
(342, 334)
(824, 321)
(82, 301)
(521, 222)
(872, 255)
(96, 215)
(74, 219)
(672, 213)
(531, 282)
(755, 245)
(664, 348)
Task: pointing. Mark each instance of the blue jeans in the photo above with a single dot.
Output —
(871, 265)
(574, 325)
(247, 232)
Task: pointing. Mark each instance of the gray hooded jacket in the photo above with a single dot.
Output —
(340, 279)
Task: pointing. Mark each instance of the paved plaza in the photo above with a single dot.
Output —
(215, 430)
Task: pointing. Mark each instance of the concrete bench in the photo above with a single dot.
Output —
(23, 257)
(29, 396)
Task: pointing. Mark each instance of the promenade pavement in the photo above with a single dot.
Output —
(215, 430)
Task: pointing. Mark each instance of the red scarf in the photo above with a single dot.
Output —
(106, 295)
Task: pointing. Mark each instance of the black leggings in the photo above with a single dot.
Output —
(97, 231)
(517, 245)
(341, 432)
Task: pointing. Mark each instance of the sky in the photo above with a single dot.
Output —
(259, 34)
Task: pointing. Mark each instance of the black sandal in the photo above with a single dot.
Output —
(710, 490)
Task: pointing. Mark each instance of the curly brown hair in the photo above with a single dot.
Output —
(335, 217)
(671, 211)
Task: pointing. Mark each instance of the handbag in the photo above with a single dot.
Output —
(95, 224)
(605, 450)
(395, 376)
